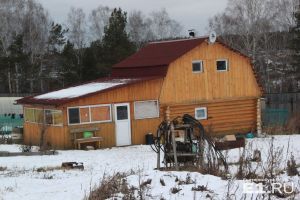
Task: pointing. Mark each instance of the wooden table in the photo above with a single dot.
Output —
(80, 140)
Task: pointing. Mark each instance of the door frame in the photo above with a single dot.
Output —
(129, 122)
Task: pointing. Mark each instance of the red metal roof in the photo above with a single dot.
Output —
(160, 53)
(151, 62)
(140, 71)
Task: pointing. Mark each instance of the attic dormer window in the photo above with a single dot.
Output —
(197, 66)
(222, 65)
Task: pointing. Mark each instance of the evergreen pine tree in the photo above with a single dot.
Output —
(69, 71)
(56, 38)
(116, 43)
(89, 62)
(295, 44)
(18, 62)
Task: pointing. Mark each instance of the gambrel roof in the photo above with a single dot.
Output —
(154, 58)
(150, 62)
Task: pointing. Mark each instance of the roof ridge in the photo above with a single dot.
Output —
(178, 40)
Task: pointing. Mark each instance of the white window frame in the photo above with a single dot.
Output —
(91, 122)
(226, 61)
(157, 105)
(201, 108)
(201, 66)
(56, 111)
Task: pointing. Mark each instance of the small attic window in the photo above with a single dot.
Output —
(197, 66)
(222, 65)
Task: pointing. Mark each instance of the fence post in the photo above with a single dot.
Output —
(259, 128)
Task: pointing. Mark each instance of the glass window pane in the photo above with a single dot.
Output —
(122, 112)
(74, 116)
(84, 115)
(48, 117)
(201, 113)
(146, 109)
(196, 67)
(101, 113)
(221, 65)
(29, 114)
(57, 118)
(39, 116)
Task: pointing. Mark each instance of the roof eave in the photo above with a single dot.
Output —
(60, 102)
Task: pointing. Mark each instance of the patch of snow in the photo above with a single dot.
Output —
(10, 148)
(81, 90)
(21, 180)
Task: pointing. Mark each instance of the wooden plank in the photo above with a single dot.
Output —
(216, 104)
(91, 139)
(239, 81)
(83, 129)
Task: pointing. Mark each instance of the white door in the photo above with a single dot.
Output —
(122, 120)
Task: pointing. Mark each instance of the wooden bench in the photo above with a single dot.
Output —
(80, 140)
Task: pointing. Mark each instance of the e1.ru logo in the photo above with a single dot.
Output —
(250, 187)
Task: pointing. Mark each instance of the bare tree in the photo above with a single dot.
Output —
(252, 21)
(260, 29)
(29, 19)
(163, 26)
(284, 12)
(11, 15)
(77, 27)
(139, 28)
(98, 19)
(246, 18)
(77, 34)
(36, 25)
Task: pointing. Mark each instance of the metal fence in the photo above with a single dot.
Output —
(275, 116)
(10, 121)
(279, 107)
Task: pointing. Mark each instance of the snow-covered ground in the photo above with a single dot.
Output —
(19, 178)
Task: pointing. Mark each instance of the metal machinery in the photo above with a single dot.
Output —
(183, 142)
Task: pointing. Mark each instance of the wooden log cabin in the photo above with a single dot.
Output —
(210, 81)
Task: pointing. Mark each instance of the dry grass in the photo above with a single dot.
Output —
(292, 126)
(162, 182)
(47, 169)
(292, 167)
(3, 168)
(175, 190)
(201, 188)
(110, 186)
(188, 180)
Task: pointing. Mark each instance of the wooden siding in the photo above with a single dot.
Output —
(60, 137)
(224, 117)
(181, 85)
(141, 127)
(140, 91)
(230, 98)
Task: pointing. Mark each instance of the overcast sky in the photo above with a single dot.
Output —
(190, 13)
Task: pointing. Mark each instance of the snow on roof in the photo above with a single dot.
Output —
(81, 90)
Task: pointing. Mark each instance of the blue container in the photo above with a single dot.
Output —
(249, 135)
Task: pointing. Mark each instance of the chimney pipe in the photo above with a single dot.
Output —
(192, 33)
